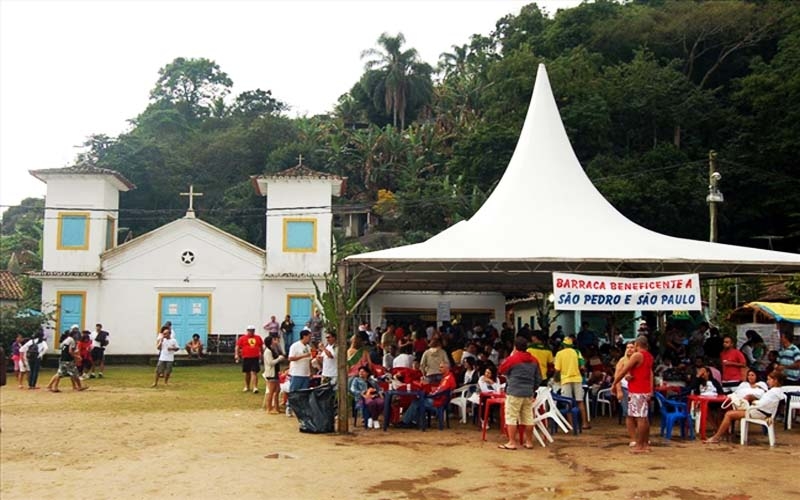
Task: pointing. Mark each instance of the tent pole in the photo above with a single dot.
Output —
(365, 294)
(343, 425)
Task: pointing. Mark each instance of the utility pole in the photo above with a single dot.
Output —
(714, 197)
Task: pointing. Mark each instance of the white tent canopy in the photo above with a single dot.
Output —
(545, 215)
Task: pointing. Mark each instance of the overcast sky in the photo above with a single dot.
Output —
(69, 69)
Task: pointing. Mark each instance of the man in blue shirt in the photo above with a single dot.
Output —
(789, 358)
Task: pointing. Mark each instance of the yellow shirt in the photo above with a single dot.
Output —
(567, 364)
(543, 356)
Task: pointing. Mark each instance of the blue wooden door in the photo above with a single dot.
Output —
(70, 312)
(300, 309)
(189, 315)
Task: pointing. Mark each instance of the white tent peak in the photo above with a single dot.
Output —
(544, 185)
(545, 209)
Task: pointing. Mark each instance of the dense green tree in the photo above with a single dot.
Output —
(193, 86)
(405, 79)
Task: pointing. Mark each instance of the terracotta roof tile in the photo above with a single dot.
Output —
(10, 288)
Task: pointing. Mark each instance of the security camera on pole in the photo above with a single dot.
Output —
(714, 197)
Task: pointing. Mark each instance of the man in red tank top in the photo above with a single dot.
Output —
(639, 372)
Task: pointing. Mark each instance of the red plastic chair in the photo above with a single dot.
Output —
(499, 401)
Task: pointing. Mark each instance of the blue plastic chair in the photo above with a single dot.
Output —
(674, 412)
(568, 405)
(440, 411)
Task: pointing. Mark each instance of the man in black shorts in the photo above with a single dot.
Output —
(249, 348)
(99, 343)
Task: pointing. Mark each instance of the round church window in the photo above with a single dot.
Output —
(187, 257)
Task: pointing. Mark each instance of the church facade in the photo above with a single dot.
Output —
(189, 272)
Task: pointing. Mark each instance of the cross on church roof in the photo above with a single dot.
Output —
(191, 194)
(300, 159)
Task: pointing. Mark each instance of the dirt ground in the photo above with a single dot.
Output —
(219, 453)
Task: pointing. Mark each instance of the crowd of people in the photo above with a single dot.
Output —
(449, 356)
(81, 357)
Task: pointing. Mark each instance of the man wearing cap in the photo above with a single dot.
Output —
(568, 365)
(249, 348)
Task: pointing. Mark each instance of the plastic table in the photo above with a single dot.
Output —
(703, 402)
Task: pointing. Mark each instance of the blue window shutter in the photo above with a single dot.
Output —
(300, 236)
(73, 231)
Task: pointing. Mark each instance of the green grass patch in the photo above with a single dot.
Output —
(126, 389)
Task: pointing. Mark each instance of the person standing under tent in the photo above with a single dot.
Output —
(789, 359)
(522, 378)
(639, 372)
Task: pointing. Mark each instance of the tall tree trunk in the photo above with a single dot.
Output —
(676, 136)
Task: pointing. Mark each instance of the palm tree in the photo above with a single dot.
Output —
(404, 75)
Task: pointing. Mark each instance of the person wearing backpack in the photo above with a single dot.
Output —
(34, 350)
(99, 343)
(66, 363)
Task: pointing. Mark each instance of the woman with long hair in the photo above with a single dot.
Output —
(622, 391)
(368, 396)
(751, 389)
(763, 408)
(754, 351)
(272, 357)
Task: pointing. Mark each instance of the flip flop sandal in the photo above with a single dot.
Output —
(505, 447)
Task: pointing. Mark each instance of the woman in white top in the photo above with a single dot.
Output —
(405, 359)
(271, 359)
(751, 389)
(486, 383)
(763, 408)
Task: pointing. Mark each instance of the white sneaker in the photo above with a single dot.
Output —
(245, 389)
(255, 391)
(377, 424)
(369, 423)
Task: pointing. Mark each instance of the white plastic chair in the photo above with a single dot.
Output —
(769, 423)
(603, 400)
(545, 408)
(459, 398)
(795, 404)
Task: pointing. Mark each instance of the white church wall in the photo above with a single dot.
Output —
(161, 255)
(305, 199)
(136, 276)
(277, 293)
(381, 301)
(91, 308)
(86, 195)
(131, 308)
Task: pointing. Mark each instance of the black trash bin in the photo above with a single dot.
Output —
(314, 408)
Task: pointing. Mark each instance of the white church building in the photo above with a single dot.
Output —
(202, 279)
(189, 272)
